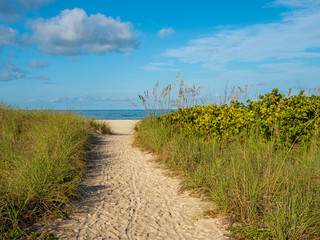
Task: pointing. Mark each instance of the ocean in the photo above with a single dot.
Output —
(114, 114)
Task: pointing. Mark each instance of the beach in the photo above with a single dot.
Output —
(129, 196)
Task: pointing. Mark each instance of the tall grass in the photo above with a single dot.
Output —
(42, 157)
(173, 96)
(270, 192)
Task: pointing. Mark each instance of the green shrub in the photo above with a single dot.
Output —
(285, 120)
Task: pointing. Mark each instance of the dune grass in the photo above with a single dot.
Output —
(273, 195)
(268, 190)
(42, 158)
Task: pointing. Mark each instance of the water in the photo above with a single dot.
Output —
(118, 114)
(114, 114)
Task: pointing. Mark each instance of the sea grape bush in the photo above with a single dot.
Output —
(286, 120)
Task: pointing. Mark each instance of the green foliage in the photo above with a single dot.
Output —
(286, 120)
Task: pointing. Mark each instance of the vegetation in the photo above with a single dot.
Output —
(42, 157)
(274, 116)
(259, 161)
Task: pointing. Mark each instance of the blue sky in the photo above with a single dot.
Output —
(79, 54)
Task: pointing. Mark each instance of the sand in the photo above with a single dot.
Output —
(128, 196)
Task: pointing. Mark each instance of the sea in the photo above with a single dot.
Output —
(114, 114)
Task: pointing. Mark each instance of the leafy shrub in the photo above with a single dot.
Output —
(286, 120)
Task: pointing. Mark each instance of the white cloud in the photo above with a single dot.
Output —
(73, 33)
(8, 36)
(165, 32)
(296, 36)
(38, 64)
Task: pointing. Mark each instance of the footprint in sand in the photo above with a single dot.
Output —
(127, 196)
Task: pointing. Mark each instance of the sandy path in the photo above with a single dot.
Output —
(129, 197)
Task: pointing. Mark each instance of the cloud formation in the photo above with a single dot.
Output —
(297, 35)
(38, 64)
(73, 33)
(165, 32)
(9, 71)
(8, 36)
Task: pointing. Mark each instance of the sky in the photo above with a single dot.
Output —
(80, 54)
